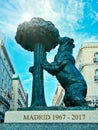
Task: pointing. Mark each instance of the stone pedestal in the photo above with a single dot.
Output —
(52, 116)
(51, 120)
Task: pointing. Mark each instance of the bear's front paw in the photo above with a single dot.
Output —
(31, 69)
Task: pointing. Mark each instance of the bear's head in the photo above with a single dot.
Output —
(66, 44)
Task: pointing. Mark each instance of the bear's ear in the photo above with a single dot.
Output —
(71, 42)
(73, 45)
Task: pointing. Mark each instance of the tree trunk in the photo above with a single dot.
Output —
(38, 98)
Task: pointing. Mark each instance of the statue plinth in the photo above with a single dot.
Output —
(53, 114)
(78, 118)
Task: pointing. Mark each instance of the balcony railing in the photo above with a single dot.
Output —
(4, 101)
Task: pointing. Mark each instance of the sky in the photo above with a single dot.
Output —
(77, 19)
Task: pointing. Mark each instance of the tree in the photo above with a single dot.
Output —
(39, 36)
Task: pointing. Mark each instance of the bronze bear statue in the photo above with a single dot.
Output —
(63, 67)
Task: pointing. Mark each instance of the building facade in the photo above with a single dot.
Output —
(19, 96)
(58, 96)
(87, 63)
(6, 73)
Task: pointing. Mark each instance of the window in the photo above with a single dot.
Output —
(0, 91)
(2, 83)
(96, 75)
(96, 57)
(96, 72)
(80, 67)
(3, 71)
(19, 103)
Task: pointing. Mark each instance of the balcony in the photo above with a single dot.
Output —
(1, 117)
(5, 102)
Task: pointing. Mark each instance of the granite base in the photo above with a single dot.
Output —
(49, 126)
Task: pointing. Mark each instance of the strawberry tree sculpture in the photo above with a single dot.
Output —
(39, 36)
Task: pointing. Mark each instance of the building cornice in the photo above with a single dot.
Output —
(87, 45)
(6, 54)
